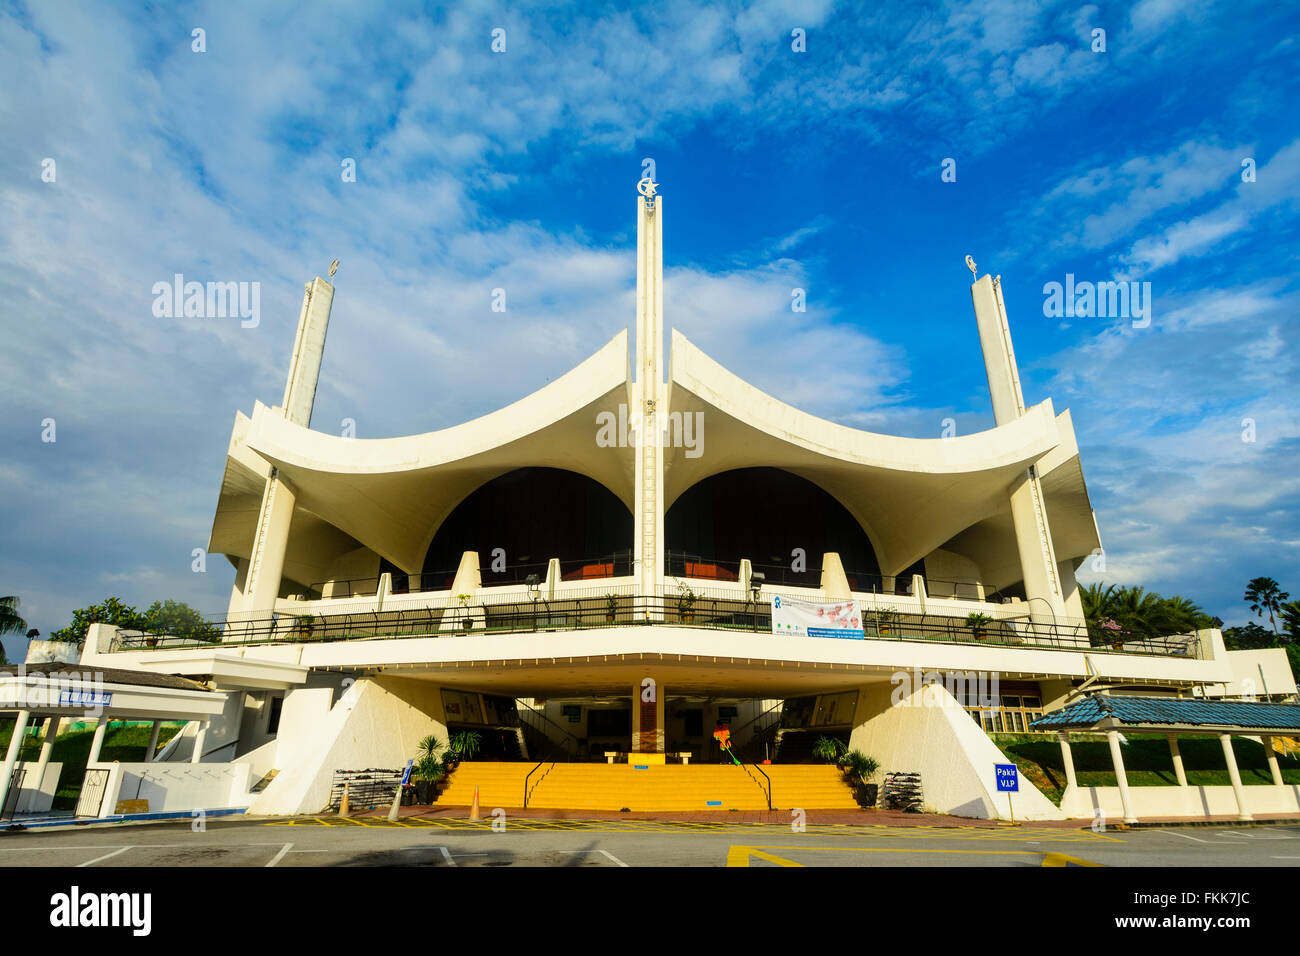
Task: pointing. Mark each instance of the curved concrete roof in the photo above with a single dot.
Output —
(911, 495)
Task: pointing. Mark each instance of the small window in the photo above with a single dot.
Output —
(273, 721)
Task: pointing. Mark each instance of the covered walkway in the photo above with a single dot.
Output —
(1174, 718)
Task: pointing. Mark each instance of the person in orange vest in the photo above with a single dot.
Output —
(722, 734)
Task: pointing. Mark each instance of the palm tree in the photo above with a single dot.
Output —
(10, 621)
(1291, 621)
(1098, 601)
(1263, 594)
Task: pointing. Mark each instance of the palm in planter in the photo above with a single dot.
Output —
(979, 625)
(861, 769)
(429, 767)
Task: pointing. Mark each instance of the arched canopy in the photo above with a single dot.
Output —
(765, 514)
(532, 515)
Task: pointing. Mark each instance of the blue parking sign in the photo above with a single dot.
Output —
(1007, 776)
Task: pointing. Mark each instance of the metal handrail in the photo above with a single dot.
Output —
(539, 779)
(746, 766)
(570, 613)
(570, 738)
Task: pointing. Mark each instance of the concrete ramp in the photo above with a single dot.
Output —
(376, 723)
(929, 732)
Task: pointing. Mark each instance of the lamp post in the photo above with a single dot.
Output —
(533, 583)
(756, 579)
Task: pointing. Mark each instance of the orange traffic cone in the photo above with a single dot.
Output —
(343, 804)
(473, 810)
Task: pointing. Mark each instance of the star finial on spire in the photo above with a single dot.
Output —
(647, 187)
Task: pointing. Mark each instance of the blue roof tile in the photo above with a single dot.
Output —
(1172, 711)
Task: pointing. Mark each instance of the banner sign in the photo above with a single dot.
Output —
(85, 698)
(796, 618)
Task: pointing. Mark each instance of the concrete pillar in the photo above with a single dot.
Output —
(648, 516)
(52, 725)
(266, 564)
(1112, 736)
(1235, 776)
(1070, 591)
(199, 740)
(834, 582)
(96, 744)
(11, 756)
(1178, 760)
(153, 742)
(648, 718)
(1271, 755)
(1067, 758)
(1038, 563)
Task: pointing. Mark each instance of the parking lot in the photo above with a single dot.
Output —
(331, 841)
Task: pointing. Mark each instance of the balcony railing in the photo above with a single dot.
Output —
(594, 608)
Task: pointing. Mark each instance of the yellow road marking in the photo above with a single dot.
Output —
(739, 856)
(1062, 859)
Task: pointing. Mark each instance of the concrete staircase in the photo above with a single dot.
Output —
(591, 786)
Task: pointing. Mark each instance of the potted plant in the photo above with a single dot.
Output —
(611, 608)
(978, 624)
(463, 746)
(883, 618)
(304, 626)
(685, 603)
(828, 749)
(1112, 632)
(860, 769)
(429, 768)
(464, 614)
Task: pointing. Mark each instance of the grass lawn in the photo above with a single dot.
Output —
(127, 744)
(1147, 761)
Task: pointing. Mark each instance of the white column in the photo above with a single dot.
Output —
(52, 725)
(1042, 578)
(261, 585)
(1233, 775)
(1121, 777)
(648, 517)
(153, 741)
(11, 756)
(1067, 758)
(199, 740)
(101, 728)
(1273, 768)
(1178, 760)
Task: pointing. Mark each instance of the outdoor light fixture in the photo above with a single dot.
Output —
(756, 579)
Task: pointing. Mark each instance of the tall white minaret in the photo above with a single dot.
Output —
(261, 584)
(1044, 586)
(648, 525)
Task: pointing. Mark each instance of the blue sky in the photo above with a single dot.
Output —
(477, 170)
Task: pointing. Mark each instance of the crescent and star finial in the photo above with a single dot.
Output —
(647, 187)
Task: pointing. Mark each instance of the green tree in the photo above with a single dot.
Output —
(112, 611)
(11, 622)
(1264, 595)
(1248, 637)
(1291, 621)
(178, 619)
